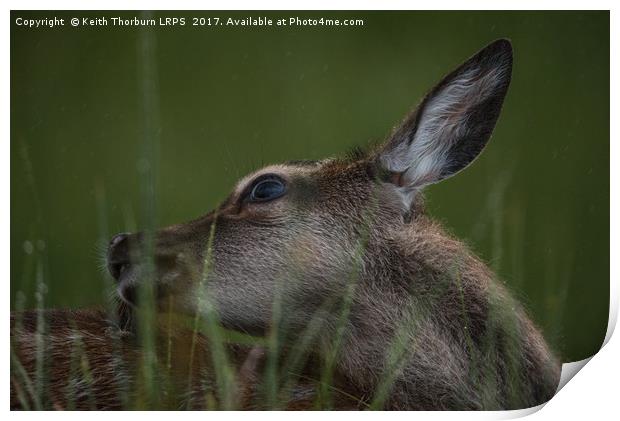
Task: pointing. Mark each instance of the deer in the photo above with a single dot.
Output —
(89, 362)
(341, 255)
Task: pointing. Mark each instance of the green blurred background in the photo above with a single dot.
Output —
(219, 102)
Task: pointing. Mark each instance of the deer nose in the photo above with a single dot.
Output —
(118, 255)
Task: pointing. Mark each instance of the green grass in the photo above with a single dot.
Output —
(281, 374)
(286, 353)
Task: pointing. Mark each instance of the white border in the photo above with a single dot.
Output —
(594, 394)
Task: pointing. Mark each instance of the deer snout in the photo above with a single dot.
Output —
(167, 263)
(118, 255)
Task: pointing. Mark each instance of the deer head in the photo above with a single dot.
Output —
(297, 228)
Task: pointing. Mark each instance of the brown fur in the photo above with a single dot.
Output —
(88, 363)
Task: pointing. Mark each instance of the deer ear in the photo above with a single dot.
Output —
(452, 124)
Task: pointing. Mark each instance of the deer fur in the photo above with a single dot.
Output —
(89, 363)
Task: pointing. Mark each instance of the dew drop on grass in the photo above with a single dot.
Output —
(28, 247)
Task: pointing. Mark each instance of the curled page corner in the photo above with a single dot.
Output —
(569, 370)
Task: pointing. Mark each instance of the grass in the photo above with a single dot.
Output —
(218, 386)
(23, 384)
(207, 309)
(280, 376)
(214, 379)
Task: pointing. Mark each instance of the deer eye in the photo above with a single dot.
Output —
(266, 189)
